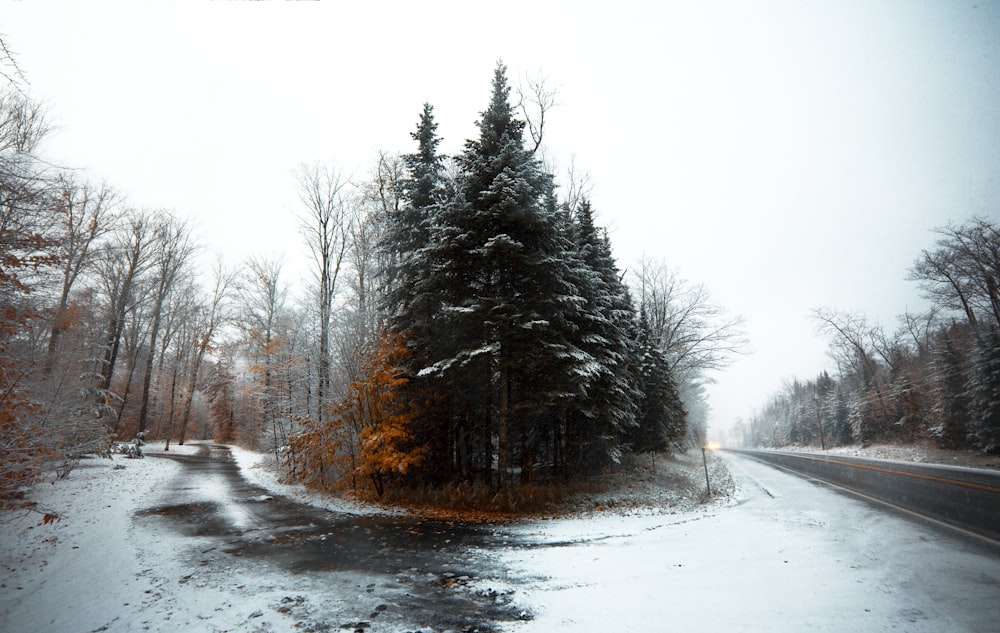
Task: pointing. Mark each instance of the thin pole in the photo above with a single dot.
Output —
(704, 461)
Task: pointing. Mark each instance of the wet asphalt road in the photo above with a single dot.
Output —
(968, 499)
(429, 570)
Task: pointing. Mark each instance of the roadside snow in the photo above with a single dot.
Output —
(788, 556)
(101, 569)
(919, 453)
(86, 570)
(259, 469)
(780, 554)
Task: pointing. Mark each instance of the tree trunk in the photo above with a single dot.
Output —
(192, 383)
(147, 377)
(503, 407)
(173, 400)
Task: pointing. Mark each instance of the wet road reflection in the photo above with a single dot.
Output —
(430, 570)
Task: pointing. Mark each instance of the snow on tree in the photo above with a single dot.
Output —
(984, 391)
(605, 331)
(662, 418)
(368, 435)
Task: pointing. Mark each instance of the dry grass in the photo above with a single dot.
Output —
(481, 503)
(668, 483)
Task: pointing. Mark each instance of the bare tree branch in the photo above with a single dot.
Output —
(696, 335)
(579, 187)
(535, 99)
(9, 60)
(326, 226)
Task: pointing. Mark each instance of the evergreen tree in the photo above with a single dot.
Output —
(417, 239)
(661, 416)
(605, 333)
(840, 428)
(410, 226)
(426, 164)
(825, 386)
(953, 399)
(984, 427)
(503, 292)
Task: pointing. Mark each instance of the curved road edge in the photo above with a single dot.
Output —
(964, 498)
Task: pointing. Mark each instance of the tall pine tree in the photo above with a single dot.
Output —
(409, 226)
(502, 286)
(605, 332)
(952, 397)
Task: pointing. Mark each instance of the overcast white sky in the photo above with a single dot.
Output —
(789, 155)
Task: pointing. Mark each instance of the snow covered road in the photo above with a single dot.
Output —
(789, 555)
(190, 544)
(167, 546)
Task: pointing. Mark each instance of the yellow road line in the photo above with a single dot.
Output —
(967, 484)
(914, 513)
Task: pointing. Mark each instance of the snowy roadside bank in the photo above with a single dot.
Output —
(259, 469)
(84, 571)
(918, 453)
(786, 556)
(666, 484)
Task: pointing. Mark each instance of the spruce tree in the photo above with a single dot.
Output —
(605, 333)
(501, 286)
(953, 399)
(415, 240)
(424, 165)
(409, 227)
(661, 414)
(984, 389)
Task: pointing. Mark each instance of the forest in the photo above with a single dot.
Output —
(936, 378)
(466, 322)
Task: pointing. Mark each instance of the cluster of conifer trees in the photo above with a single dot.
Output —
(467, 324)
(520, 351)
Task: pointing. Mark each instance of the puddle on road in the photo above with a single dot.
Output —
(193, 519)
(429, 569)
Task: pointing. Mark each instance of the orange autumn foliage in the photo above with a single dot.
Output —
(370, 432)
(387, 448)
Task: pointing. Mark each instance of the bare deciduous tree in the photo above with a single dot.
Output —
(326, 226)
(206, 325)
(579, 187)
(86, 214)
(9, 68)
(535, 98)
(697, 335)
(963, 272)
(201, 328)
(123, 261)
(173, 249)
(855, 345)
(261, 297)
(26, 221)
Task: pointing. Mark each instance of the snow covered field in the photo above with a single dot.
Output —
(783, 554)
(788, 555)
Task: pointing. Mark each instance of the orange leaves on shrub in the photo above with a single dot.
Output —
(374, 402)
(23, 449)
(369, 433)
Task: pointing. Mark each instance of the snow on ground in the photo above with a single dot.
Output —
(789, 555)
(87, 569)
(101, 569)
(781, 554)
(920, 453)
(260, 469)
